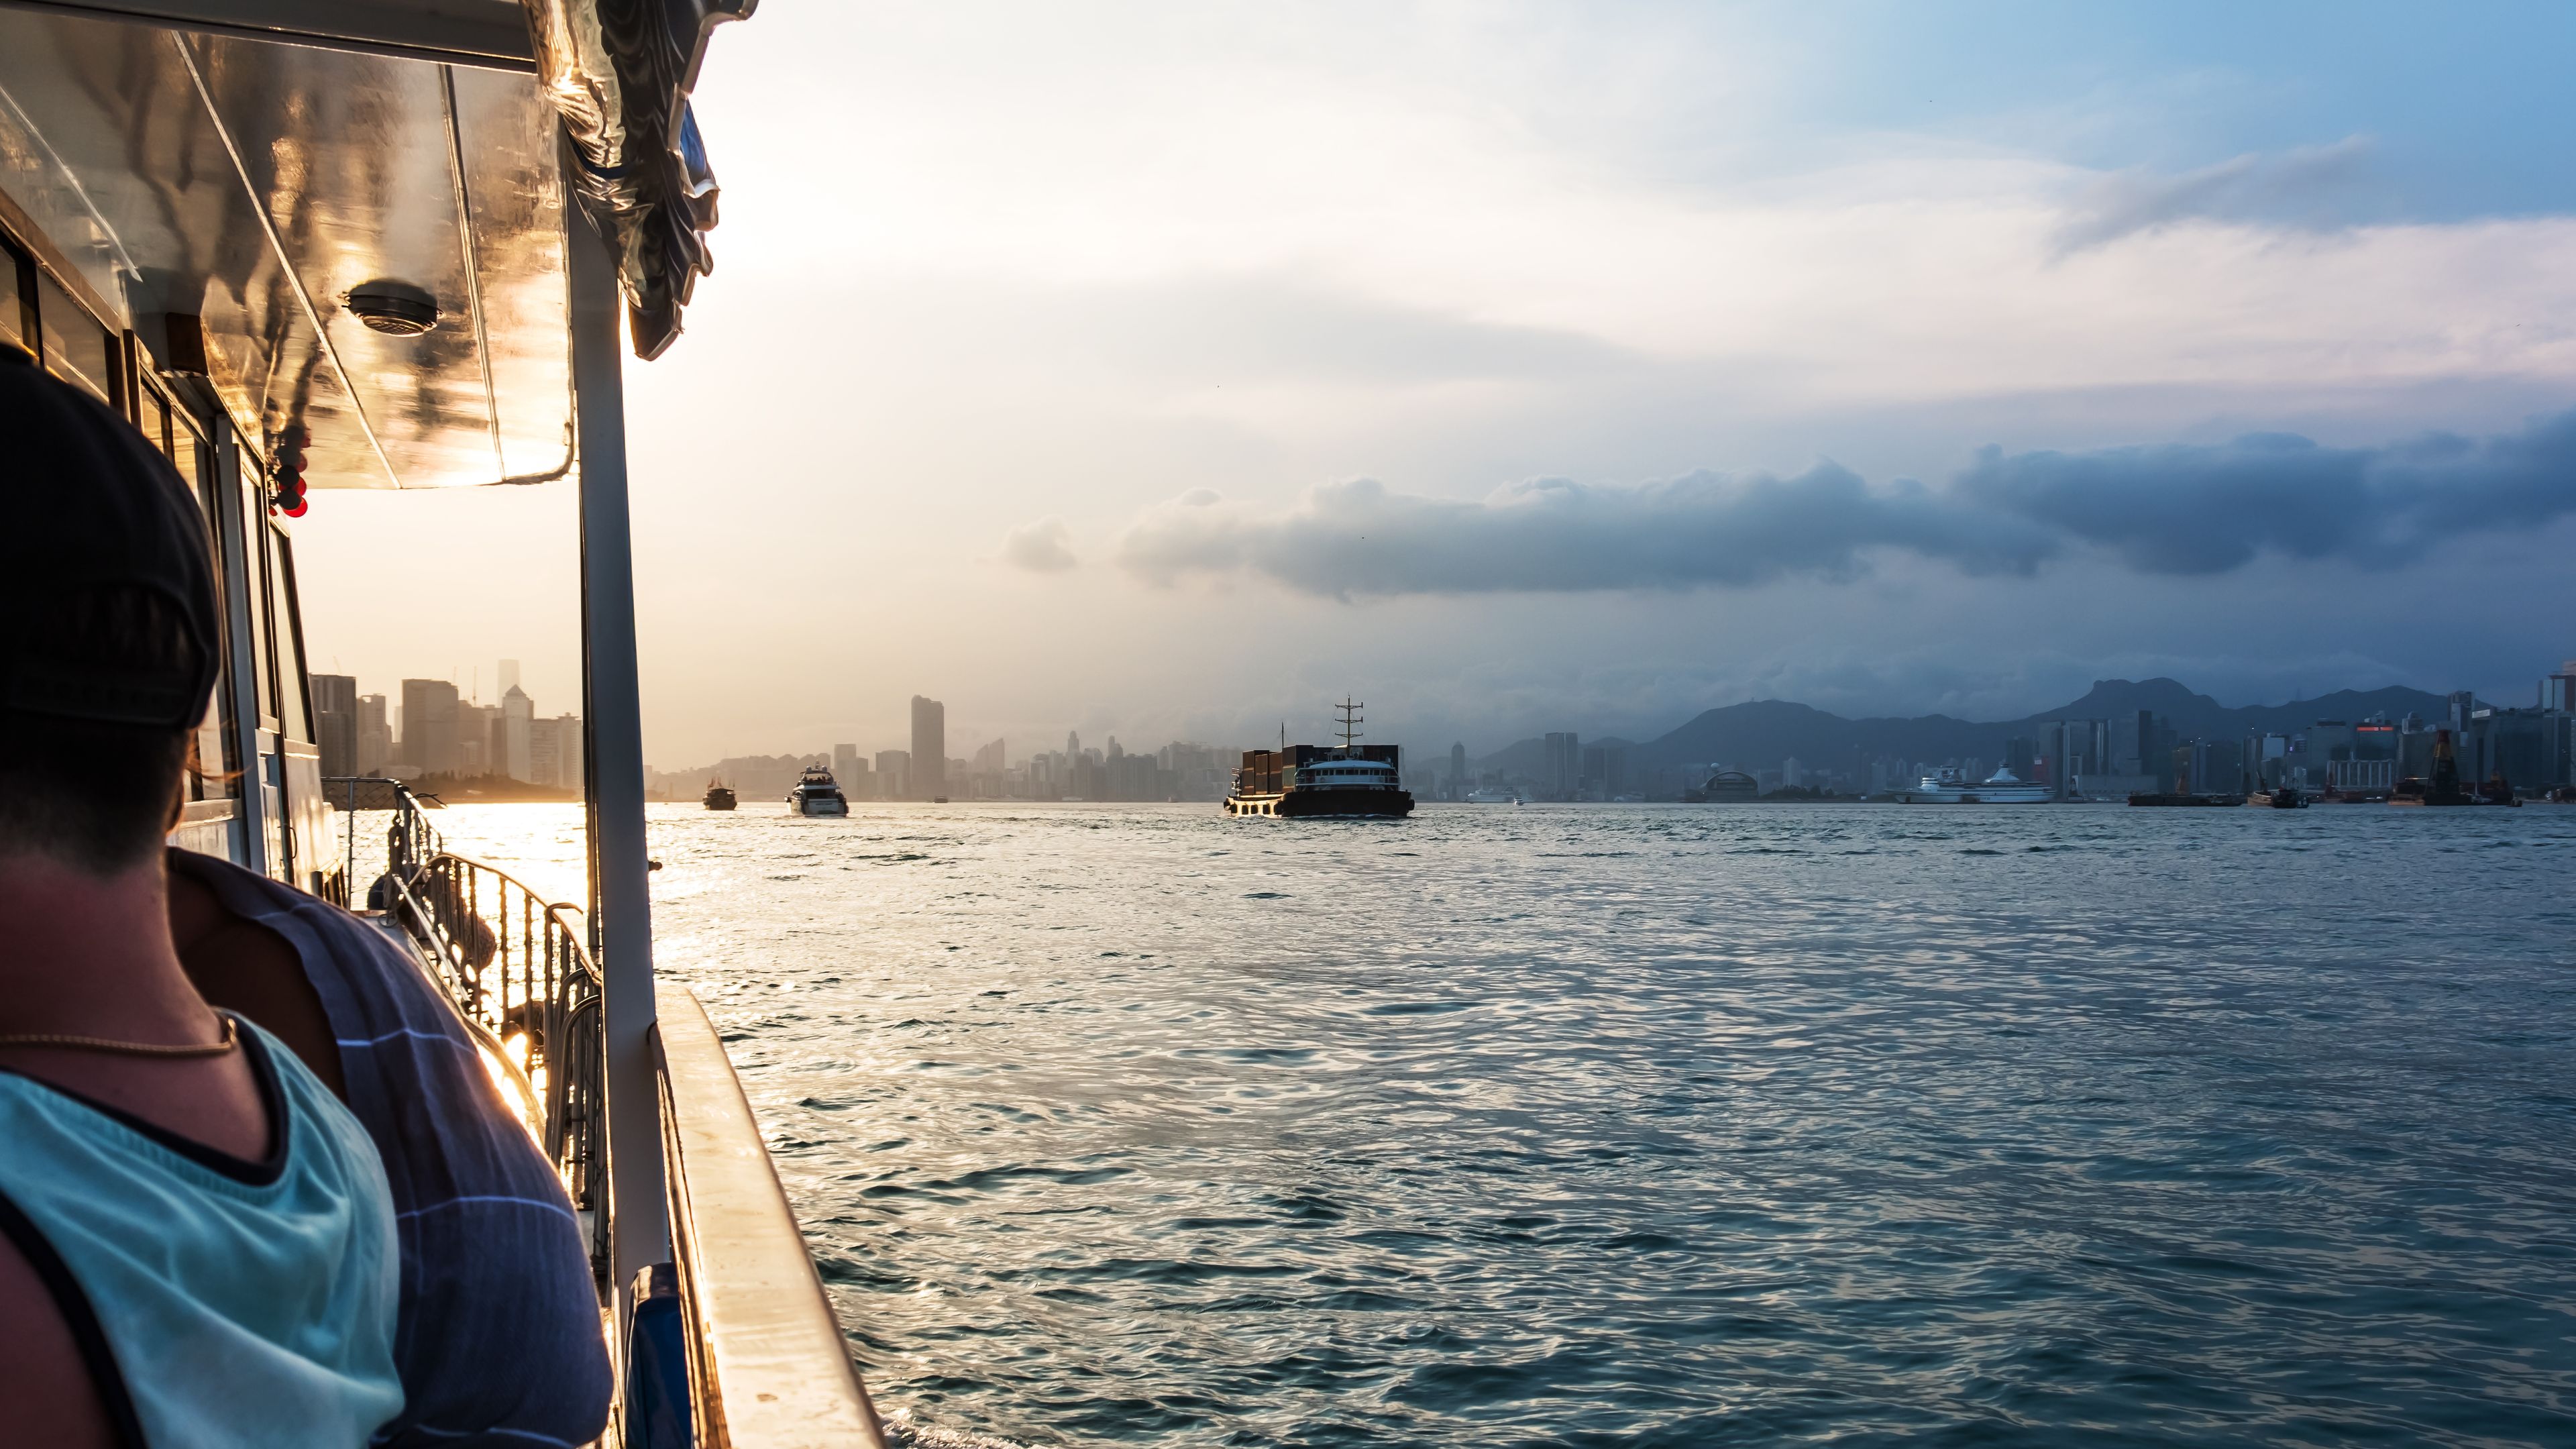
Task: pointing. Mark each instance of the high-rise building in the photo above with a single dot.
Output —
(335, 722)
(845, 767)
(894, 775)
(375, 735)
(1561, 766)
(479, 737)
(1458, 770)
(568, 749)
(429, 726)
(517, 713)
(2558, 691)
(929, 748)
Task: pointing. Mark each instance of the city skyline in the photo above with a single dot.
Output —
(1365, 333)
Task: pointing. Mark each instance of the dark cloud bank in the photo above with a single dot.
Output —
(2172, 510)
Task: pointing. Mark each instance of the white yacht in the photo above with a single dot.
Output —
(817, 793)
(1948, 786)
(1492, 795)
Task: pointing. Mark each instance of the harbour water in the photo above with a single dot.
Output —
(1660, 1125)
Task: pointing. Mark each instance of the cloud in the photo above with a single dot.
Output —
(2299, 186)
(2209, 509)
(1044, 547)
(2177, 510)
(1558, 536)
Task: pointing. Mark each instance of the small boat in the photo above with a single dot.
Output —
(818, 794)
(1950, 786)
(1490, 795)
(719, 795)
(2285, 798)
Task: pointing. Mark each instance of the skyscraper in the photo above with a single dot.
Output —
(479, 739)
(517, 712)
(375, 735)
(1561, 766)
(429, 726)
(929, 748)
(1458, 770)
(894, 775)
(845, 767)
(335, 722)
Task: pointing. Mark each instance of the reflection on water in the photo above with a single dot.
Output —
(1659, 1125)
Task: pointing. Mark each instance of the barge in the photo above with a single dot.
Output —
(1349, 781)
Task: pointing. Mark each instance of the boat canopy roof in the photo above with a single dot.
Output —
(242, 184)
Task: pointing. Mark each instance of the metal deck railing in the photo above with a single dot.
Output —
(518, 968)
(760, 1351)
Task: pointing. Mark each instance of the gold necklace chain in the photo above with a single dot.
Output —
(232, 1039)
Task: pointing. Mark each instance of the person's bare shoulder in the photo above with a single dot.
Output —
(43, 1379)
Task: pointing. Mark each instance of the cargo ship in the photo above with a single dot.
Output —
(1347, 781)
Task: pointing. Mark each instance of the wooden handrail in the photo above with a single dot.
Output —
(768, 1368)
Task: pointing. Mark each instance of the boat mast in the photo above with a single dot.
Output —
(1351, 719)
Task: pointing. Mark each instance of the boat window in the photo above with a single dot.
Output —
(254, 506)
(218, 775)
(287, 624)
(188, 454)
(77, 349)
(17, 296)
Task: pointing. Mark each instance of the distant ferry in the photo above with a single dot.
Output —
(1489, 795)
(1350, 781)
(1949, 786)
(719, 795)
(817, 793)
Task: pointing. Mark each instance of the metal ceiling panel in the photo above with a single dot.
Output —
(255, 184)
(460, 32)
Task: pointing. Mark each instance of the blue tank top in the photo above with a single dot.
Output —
(498, 1338)
(221, 1304)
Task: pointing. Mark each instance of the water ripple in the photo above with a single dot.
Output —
(1661, 1126)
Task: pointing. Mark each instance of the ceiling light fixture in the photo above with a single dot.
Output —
(397, 309)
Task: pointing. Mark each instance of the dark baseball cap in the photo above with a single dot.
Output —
(93, 509)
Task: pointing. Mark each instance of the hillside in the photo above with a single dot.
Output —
(1765, 731)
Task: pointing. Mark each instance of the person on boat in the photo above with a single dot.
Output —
(197, 1240)
(499, 1339)
(499, 1336)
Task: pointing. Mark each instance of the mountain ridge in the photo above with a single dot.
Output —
(1764, 732)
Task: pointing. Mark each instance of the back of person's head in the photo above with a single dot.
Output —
(108, 628)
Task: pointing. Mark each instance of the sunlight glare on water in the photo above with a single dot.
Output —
(1658, 1125)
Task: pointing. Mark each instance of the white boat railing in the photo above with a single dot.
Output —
(767, 1365)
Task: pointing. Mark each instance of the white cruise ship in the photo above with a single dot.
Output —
(1949, 787)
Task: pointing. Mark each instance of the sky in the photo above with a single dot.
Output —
(1170, 371)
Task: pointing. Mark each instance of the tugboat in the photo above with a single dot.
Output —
(719, 795)
(2283, 797)
(1350, 781)
(817, 793)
